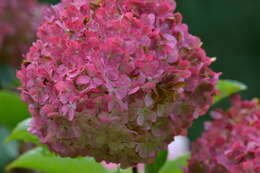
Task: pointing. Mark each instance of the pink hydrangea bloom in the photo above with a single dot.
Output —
(19, 20)
(115, 79)
(231, 143)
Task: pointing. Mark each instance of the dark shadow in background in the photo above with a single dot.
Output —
(230, 30)
(50, 1)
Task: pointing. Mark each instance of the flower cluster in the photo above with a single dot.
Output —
(115, 79)
(231, 143)
(18, 21)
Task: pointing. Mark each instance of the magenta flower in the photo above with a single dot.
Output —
(231, 143)
(115, 79)
(18, 25)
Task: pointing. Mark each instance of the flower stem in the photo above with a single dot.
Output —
(118, 169)
(135, 170)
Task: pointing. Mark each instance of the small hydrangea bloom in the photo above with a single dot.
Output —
(115, 79)
(19, 20)
(231, 143)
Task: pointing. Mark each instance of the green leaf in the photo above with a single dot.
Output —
(227, 88)
(7, 151)
(21, 133)
(175, 166)
(158, 163)
(42, 160)
(119, 170)
(12, 109)
(125, 171)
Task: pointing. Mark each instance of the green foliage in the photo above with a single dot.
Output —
(35, 158)
(175, 166)
(227, 88)
(123, 171)
(42, 160)
(12, 109)
(158, 163)
(21, 133)
(7, 152)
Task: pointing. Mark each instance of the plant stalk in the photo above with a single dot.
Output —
(135, 170)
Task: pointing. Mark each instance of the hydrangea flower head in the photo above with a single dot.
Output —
(18, 22)
(115, 79)
(231, 143)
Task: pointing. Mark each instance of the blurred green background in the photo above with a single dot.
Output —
(230, 31)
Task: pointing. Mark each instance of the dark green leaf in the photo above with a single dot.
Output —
(227, 88)
(21, 133)
(175, 166)
(12, 109)
(7, 151)
(42, 160)
(158, 163)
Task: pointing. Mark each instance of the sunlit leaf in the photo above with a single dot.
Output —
(12, 109)
(42, 160)
(21, 133)
(227, 88)
(175, 166)
(125, 171)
